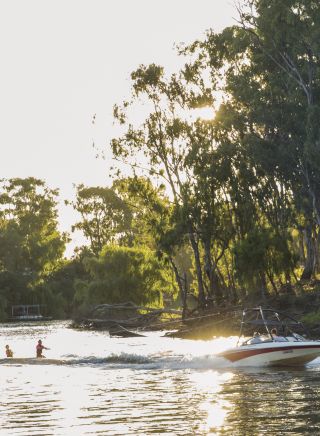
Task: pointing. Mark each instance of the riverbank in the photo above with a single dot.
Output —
(302, 303)
(304, 306)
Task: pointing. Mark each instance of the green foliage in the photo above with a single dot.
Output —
(106, 218)
(58, 291)
(31, 246)
(122, 274)
(13, 290)
(312, 319)
(146, 77)
(152, 214)
(261, 251)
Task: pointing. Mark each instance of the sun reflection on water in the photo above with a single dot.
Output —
(215, 408)
(216, 413)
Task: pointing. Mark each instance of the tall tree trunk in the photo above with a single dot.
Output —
(317, 253)
(310, 262)
(263, 286)
(274, 287)
(178, 278)
(301, 246)
(231, 282)
(289, 288)
(195, 248)
(184, 297)
(312, 150)
(214, 283)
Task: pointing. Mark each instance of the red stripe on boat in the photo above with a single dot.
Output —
(234, 356)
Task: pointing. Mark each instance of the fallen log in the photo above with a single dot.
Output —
(132, 307)
(127, 315)
(121, 331)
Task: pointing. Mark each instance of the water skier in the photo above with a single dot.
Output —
(9, 352)
(39, 349)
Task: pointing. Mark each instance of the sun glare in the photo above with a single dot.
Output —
(204, 113)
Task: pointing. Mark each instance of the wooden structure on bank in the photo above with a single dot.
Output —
(27, 312)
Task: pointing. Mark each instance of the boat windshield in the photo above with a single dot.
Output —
(256, 339)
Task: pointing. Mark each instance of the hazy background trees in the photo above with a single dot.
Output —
(31, 246)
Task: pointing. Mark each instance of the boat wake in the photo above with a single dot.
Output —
(161, 361)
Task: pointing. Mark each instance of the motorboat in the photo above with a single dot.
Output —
(271, 338)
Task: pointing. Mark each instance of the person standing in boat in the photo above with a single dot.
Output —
(9, 352)
(39, 349)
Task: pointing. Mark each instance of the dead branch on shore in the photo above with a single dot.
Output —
(127, 315)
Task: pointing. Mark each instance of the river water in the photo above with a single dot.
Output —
(146, 386)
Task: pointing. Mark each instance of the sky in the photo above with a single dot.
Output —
(63, 61)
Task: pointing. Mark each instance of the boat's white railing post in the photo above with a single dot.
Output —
(243, 314)
(265, 322)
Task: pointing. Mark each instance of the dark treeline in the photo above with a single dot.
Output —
(221, 209)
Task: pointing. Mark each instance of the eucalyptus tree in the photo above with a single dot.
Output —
(31, 242)
(208, 203)
(162, 142)
(285, 35)
(225, 176)
(268, 66)
(184, 154)
(105, 217)
(31, 246)
(251, 173)
(121, 274)
(155, 224)
(149, 208)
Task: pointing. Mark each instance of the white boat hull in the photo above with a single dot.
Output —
(273, 354)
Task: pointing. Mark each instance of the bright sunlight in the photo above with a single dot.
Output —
(204, 113)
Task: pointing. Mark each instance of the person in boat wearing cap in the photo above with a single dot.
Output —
(39, 349)
(9, 352)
